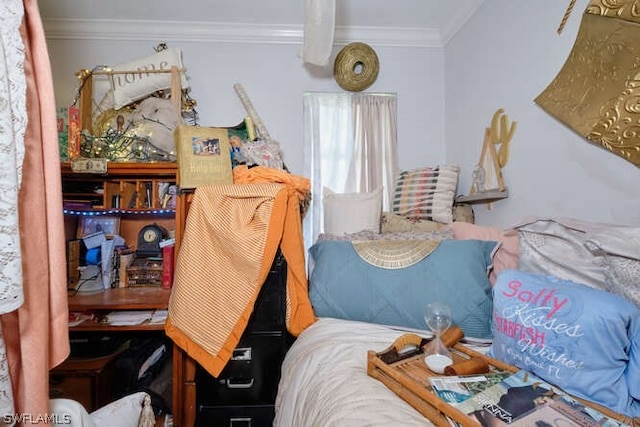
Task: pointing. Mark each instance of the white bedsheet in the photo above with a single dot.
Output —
(324, 379)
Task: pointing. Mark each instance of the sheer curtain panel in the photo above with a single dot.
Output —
(350, 146)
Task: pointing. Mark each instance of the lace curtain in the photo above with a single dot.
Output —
(350, 144)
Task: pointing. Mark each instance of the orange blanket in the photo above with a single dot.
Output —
(232, 234)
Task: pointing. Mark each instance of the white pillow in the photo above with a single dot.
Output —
(131, 87)
(69, 413)
(133, 410)
(556, 247)
(351, 212)
(620, 247)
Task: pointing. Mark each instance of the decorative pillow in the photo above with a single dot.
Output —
(393, 223)
(128, 88)
(426, 193)
(351, 212)
(507, 255)
(556, 247)
(343, 285)
(583, 340)
(620, 247)
(400, 235)
(71, 411)
(133, 410)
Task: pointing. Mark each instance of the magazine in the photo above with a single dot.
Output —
(458, 388)
(523, 399)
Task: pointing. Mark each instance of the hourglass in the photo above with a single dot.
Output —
(438, 319)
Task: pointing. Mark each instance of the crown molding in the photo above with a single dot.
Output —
(216, 32)
(453, 25)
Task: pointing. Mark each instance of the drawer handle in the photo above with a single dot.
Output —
(241, 384)
(240, 422)
(241, 353)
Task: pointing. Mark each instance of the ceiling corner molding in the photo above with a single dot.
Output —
(208, 32)
(456, 23)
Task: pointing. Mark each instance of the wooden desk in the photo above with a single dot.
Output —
(120, 299)
(142, 298)
(90, 379)
(184, 388)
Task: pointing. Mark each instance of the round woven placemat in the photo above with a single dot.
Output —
(394, 254)
(356, 67)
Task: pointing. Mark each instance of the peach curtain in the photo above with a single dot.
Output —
(36, 333)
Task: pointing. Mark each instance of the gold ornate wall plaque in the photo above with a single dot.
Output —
(597, 91)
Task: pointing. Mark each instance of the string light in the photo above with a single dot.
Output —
(120, 211)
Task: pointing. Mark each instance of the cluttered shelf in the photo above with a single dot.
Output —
(128, 188)
(124, 309)
(131, 168)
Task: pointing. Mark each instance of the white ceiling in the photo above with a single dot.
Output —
(442, 16)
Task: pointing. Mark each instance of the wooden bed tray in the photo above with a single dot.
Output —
(408, 377)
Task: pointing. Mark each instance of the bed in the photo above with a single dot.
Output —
(324, 380)
(484, 273)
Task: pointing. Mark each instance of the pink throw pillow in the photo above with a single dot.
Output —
(508, 254)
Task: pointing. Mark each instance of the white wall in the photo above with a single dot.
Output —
(275, 80)
(504, 56)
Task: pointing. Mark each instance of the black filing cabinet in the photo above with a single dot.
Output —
(244, 393)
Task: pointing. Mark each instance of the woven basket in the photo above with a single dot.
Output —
(356, 67)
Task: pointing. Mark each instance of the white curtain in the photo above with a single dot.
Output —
(350, 146)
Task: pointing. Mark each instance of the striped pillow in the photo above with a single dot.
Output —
(426, 193)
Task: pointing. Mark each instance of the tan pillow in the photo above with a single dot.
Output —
(394, 223)
(508, 254)
(463, 212)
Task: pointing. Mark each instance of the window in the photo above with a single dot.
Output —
(350, 146)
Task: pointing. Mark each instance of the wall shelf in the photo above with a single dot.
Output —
(484, 197)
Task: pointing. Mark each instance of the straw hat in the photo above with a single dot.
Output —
(356, 67)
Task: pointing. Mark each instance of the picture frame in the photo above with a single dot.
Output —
(109, 224)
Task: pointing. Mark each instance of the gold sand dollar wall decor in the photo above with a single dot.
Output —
(356, 67)
(597, 91)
